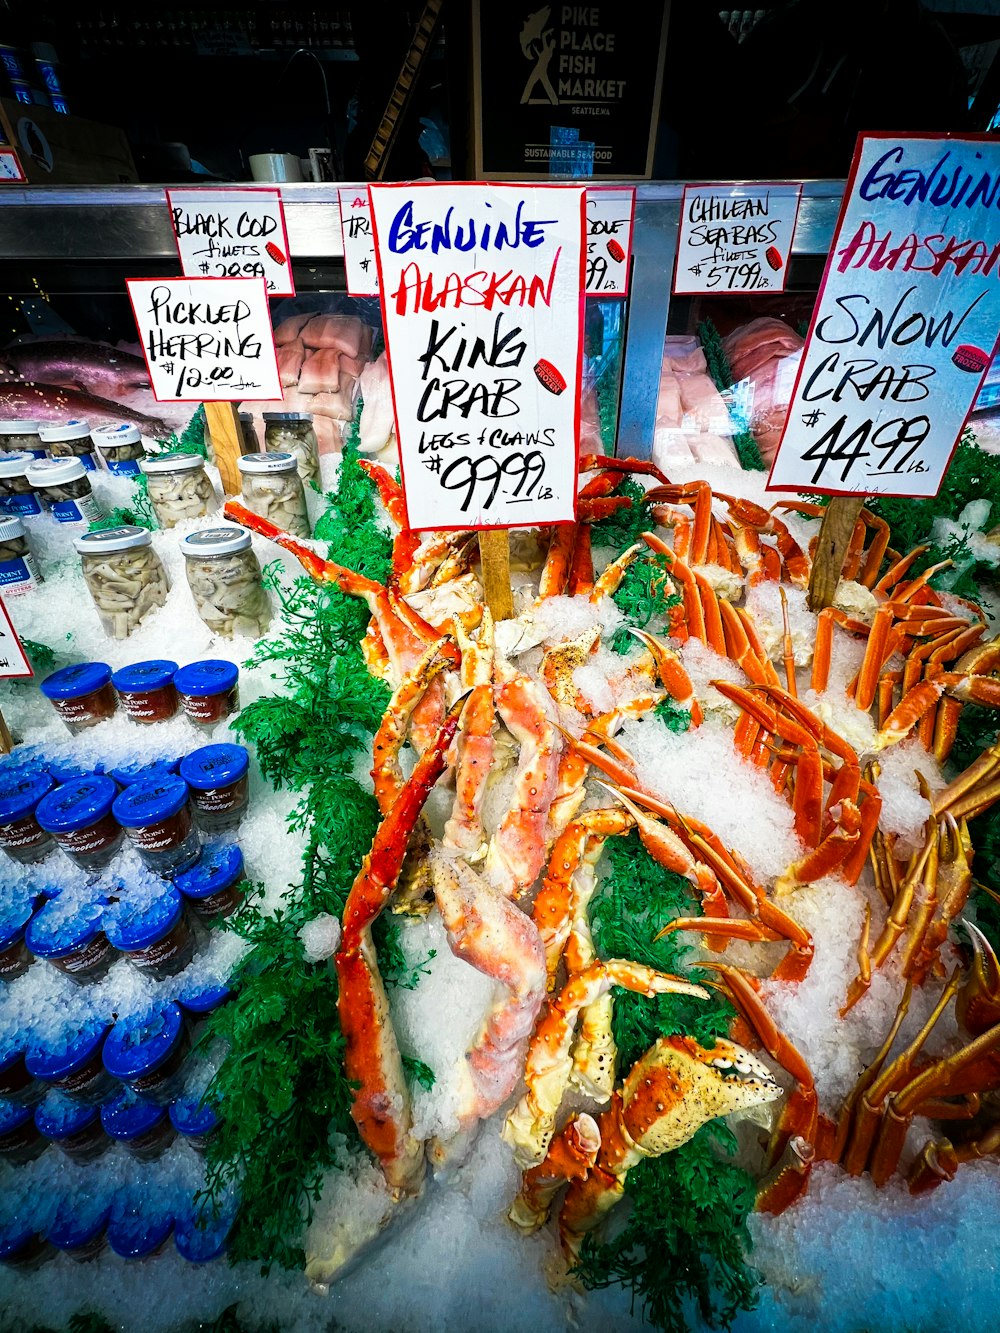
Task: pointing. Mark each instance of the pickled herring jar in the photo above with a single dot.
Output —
(21, 835)
(208, 690)
(148, 1051)
(22, 437)
(68, 933)
(156, 816)
(179, 487)
(17, 495)
(70, 440)
(225, 581)
(82, 694)
(293, 433)
(218, 776)
(18, 571)
(78, 815)
(273, 489)
(123, 575)
(65, 487)
(121, 448)
(146, 691)
(152, 930)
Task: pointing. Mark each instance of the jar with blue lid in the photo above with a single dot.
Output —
(78, 815)
(218, 776)
(70, 439)
(67, 768)
(17, 495)
(21, 835)
(79, 1226)
(81, 694)
(139, 1226)
(213, 885)
(64, 485)
(73, 1126)
(146, 690)
(143, 1128)
(22, 1246)
(201, 1231)
(146, 771)
(16, 1084)
(208, 690)
(147, 1051)
(20, 1138)
(194, 1119)
(23, 437)
(72, 1061)
(156, 816)
(16, 907)
(121, 448)
(19, 574)
(152, 930)
(68, 933)
(203, 997)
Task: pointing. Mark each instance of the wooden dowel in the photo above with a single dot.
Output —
(842, 513)
(227, 441)
(494, 552)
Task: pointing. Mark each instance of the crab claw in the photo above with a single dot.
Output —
(977, 1004)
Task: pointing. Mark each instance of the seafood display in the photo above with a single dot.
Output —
(692, 420)
(123, 575)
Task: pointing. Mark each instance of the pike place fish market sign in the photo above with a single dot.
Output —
(906, 322)
(566, 90)
(482, 306)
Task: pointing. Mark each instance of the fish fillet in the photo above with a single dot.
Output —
(320, 372)
(289, 329)
(342, 332)
(290, 358)
(377, 420)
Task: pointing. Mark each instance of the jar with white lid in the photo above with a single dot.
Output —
(22, 437)
(273, 489)
(18, 571)
(120, 447)
(179, 487)
(225, 581)
(293, 433)
(123, 575)
(17, 495)
(70, 439)
(66, 489)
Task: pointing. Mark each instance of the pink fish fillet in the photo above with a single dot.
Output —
(342, 332)
(353, 365)
(668, 406)
(333, 405)
(591, 441)
(751, 346)
(683, 354)
(289, 329)
(290, 358)
(377, 421)
(703, 408)
(321, 372)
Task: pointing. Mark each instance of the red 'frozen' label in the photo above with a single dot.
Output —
(276, 254)
(549, 377)
(773, 256)
(615, 251)
(970, 358)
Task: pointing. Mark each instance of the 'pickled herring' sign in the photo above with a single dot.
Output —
(905, 326)
(481, 289)
(205, 339)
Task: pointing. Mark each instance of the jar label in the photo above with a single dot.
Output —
(93, 838)
(21, 503)
(18, 576)
(218, 799)
(125, 467)
(84, 959)
(83, 1082)
(24, 832)
(162, 951)
(89, 461)
(84, 510)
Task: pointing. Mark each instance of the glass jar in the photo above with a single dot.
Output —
(73, 1126)
(218, 776)
(20, 1138)
(18, 571)
(21, 835)
(273, 489)
(138, 1227)
(121, 448)
(146, 691)
(79, 1226)
(152, 932)
(201, 998)
(65, 487)
(179, 487)
(82, 695)
(208, 690)
(16, 908)
(143, 1128)
(194, 1120)
(68, 932)
(156, 816)
(148, 1051)
(69, 440)
(22, 1247)
(213, 885)
(78, 815)
(201, 1232)
(225, 581)
(129, 774)
(72, 1061)
(17, 495)
(123, 575)
(16, 1084)
(22, 437)
(293, 433)
(247, 430)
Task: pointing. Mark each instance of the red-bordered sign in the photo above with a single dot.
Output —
(11, 171)
(735, 237)
(14, 662)
(360, 263)
(610, 219)
(232, 232)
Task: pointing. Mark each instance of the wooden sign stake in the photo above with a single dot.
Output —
(6, 740)
(227, 441)
(494, 552)
(842, 513)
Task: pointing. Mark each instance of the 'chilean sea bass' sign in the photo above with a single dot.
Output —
(482, 306)
(906, 322)
(735, 238)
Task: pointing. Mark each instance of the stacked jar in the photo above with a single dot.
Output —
(293, 433)
(225, 581)
(18, 572)
(78, 815)
(21, 835)
(68, 933)
(272, 488)
(65, 487)
(146, 691)
(22, 437)
(121, 448)
(69, 440)
(208, 691)
(82, 694)
(179, 487)
(156, 816)
(17, 494)
(123, 575)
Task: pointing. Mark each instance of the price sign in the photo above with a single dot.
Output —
(482, 304)
(610, 210)
(13, 659)
(735, 238)
(10, 166)
(359, 243)
(232, 234)
(205, 339)
(905, 325)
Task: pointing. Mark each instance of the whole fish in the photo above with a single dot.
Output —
(51, 402)
(94, 367)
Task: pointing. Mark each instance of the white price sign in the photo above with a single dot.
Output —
(482, 305)
(735, 238)
(13, 659)
(359, 243)
(906, 322)
(232, 233)
(205, 339)
(610, 210)
(10, 166)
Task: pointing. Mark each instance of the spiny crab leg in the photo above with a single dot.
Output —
(670, 670)
(475, 745)
(386, 772)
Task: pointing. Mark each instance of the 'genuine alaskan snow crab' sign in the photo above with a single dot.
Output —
(906, 324)
(482, 289)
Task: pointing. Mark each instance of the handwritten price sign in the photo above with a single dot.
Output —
(359, 244)
(610, 210)
(13, 659)
(205, 339)
(906, 322)
(735, 238)
(232, 234)
(482, 306)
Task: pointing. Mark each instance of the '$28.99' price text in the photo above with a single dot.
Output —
(481, 477)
